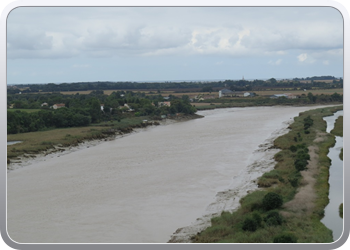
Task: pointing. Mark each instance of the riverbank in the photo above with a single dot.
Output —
(174, 173)
(36, 145)
(304, 193)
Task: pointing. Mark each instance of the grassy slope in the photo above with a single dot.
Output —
(306, 228)
(36, 142)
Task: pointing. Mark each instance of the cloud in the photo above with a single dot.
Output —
(302, 57)
(119, 32)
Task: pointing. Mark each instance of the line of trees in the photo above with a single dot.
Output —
(82, 110)
(238, 84)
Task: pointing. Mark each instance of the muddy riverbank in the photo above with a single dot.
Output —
(142, 187)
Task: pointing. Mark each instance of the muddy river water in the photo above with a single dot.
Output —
(144, 186)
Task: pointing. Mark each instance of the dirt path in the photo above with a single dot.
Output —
(303, 202)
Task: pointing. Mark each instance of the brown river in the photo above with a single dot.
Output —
(142, 187)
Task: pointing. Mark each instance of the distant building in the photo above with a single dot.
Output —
(225, 92)
(58, 105)
(248, 94)
(160, 104)
(289, 96)
(44, 104)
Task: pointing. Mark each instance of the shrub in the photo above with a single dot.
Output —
(285, 238)
(250, 224)
(300, 164)
(294, 179)
(303, 154)
(273, 218)
(293, 148)
(271, 201)
(308, 122)
(257, 218)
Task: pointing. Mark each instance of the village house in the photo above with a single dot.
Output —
(44, 104)
(126, 107)
(289, 96)
(225, 92)
(230, 93)
(160, 104)
(58, 105)
(248, 94)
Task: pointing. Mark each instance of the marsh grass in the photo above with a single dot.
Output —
(40, 141)
(338, 127)
(284, 180)
(36, 142)
(338, 131)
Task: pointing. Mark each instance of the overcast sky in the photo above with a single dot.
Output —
(60, 44)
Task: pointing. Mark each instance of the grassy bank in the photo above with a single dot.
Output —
(338, 127)
(338, 131)
(36, 142)
(40, 141)
(264, 219)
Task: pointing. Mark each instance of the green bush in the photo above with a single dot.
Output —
(308, 122)
(285, 238)
(249, 224)
(293, 148)
(294, 179)
(271, 201)
(300, 164)
(257, 218)
(273, 218)
(303, 154)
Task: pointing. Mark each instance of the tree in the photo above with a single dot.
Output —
(94, 109)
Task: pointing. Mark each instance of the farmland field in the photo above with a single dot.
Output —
(192, 93)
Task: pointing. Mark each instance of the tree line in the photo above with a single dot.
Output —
(233, 84)
(82, 110)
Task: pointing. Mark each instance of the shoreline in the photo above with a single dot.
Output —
(225, 197)
(242, 184)
(309, 189)
(58, 150)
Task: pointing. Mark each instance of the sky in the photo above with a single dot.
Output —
(80, 44)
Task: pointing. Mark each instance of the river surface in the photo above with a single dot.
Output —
(332, 220)
(142, 187)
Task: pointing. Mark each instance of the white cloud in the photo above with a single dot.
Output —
(302, 57)
(156, 38)
(99, 32)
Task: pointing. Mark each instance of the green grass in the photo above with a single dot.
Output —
(36, 142)
(338, 131)
(338, 127)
